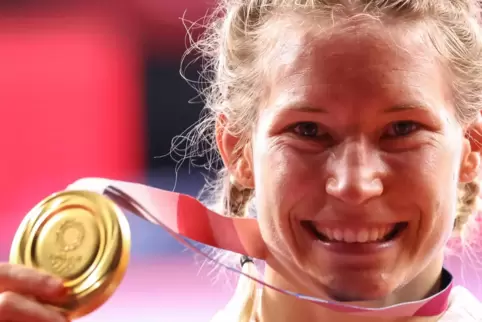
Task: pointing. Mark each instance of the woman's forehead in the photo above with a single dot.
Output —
(358, 50)
(362, 65)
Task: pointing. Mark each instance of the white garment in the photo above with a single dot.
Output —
(463, 307)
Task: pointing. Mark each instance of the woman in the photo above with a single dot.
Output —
(355, 125)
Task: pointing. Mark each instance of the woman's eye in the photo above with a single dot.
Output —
(402, 128)
(307, 129)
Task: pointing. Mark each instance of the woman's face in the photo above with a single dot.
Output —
(356, 160)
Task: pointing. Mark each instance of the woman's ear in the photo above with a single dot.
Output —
(471, 151)
(237, 159)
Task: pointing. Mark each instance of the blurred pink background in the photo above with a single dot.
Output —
(92, 88)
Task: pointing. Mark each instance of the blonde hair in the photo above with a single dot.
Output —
(234, 53)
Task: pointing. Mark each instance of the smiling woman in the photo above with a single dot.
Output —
(350, 127)
(351, 131)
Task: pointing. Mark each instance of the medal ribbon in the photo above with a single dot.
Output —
(187, 219)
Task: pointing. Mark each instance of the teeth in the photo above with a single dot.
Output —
(359, 235)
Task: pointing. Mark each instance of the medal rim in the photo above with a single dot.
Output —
(87, 293)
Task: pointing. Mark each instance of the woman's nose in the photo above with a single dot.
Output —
(355, 174)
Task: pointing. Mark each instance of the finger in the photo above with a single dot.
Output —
(24, 280)
(16, 308)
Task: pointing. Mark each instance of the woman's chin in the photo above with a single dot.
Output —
(366, 286)
(359, 295)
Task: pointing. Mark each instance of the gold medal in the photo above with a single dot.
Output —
(82, 237)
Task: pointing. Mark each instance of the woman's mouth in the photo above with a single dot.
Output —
(362, 234)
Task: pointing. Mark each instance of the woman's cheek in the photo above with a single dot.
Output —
(285, 178)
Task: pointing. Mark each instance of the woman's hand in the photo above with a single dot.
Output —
(24, 293)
